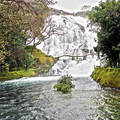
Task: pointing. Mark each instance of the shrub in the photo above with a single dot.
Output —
(64, 84)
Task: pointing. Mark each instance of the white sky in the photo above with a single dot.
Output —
(74, 5)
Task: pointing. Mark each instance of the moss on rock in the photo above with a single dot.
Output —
(107, 76)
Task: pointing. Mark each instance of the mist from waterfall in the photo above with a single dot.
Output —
(78, 41)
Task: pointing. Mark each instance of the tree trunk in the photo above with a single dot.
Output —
(115, 62)
(0, 68)
(111, 65)
(119, 61)
(33, 49)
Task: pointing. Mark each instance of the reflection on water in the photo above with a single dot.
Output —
(35, 99)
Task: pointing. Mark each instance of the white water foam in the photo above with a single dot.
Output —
(78, 41)
(76, 68)
(75, 39)
(33, 79)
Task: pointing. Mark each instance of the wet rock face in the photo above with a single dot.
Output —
(92, 51)
(77, 41)
(85, 50)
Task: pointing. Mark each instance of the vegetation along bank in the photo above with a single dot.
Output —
(105, 18)
(41, 65)
(19, 22)
(109, 77)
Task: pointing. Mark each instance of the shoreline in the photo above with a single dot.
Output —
(16, 74)
(108, 77)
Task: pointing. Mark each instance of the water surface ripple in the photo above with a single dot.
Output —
(31, 99)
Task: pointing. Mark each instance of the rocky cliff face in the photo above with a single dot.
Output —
(76, 42)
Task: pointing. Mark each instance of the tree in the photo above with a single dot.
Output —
(18, 56)
(17, 17)
(106, 17)
(9, 22)
(44, 32)
(86, 7)
(34, 14)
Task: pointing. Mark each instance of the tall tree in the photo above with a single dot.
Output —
(37, 23)
(106, 17)
(9, 22)
(12, 23)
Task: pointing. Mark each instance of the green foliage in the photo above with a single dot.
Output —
(16, 74)
(42, 62)
(107, 76)
(15, 22)
(18, 56)
(16, 19)
(107, 16)
(64, 84)
(12, 40)
(64, 21)
(28, 60)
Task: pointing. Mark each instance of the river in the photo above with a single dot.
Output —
(35, 99)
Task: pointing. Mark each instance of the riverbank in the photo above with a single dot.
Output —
(109, 77)
(35, 98)
(42, 64)
(17, 74)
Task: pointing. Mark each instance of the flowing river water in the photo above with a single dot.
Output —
(35, 99)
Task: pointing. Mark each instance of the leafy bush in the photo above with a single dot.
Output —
(28, 60)
(64, 84)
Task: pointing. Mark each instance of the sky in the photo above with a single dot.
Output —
(74, 5)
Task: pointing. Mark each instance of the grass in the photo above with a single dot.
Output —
(42, 61)
(16, 74)
(107, 76)
(42, 56)
(42, 64)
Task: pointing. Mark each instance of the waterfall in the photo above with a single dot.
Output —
(76, 68)
(78, 41)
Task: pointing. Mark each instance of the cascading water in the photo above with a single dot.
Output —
(35, 98)
(77, 41)
(76, 68)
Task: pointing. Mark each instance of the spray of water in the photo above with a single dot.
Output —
(78, 41)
